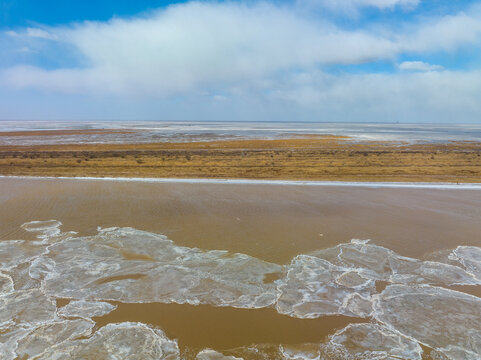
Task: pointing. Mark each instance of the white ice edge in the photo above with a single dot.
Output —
(401, 185)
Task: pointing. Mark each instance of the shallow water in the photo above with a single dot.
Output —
(172, 271)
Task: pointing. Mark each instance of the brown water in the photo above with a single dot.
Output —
(272, 225)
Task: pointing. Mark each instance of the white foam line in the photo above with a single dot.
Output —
(408, 185)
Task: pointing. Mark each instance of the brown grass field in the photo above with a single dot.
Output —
(301, 158)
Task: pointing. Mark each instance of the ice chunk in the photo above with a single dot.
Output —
(261, 352)
(300, 352)
(10, 333)
(41, 226)
(413, 271)
(6, 284)
(51, 335)
(27, 306)
(372, 261)
(446, 320)
(470, 257)
(370, 341)
(15, 252)
(315, 287)
(45, 229)
(378, 263)
(454, 352)
(122, 341)
(86, 309)
(209, 354)
(22, 279)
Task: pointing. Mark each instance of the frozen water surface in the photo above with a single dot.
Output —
(133, 266)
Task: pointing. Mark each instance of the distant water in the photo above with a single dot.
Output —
(158, 131)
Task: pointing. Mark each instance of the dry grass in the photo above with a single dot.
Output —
(310, 158)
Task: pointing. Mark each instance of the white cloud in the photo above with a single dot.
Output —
(418, 66)
(447, 96)
(39, 33)
(351, 7)
(196, 46)
(219, 97)
(33, 33)
(262, 61)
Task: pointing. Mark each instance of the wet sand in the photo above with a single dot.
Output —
(268, 222)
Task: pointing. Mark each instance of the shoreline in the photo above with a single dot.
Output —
(362, 184)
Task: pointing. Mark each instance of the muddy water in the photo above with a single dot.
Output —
(240, 269)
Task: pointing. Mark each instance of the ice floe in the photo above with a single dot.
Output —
(209, 354)
(315, 287)
(44, 229)
(378, 263)
(445, 320)
(122, 341)
(135, 266)
(370, 341)
(10, 333)
(52, 335)
(469, 257)
(6, 284)
(15, 252)
(30, 307)
(299, 352)
(86, 309)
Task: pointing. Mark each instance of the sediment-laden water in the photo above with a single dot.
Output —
(135, 270)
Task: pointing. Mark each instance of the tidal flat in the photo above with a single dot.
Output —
(299, 157)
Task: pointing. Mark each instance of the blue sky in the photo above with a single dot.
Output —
(291, 60)
(19, 13)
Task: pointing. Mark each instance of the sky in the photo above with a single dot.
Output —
(406, 61)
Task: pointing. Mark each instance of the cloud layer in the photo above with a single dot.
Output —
(234, 51)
